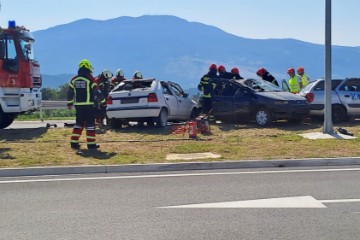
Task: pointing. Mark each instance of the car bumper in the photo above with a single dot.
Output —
(286, 113)
(133, 112)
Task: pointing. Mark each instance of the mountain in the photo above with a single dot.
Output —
(171, 48)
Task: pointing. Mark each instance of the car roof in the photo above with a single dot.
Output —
(142, 79)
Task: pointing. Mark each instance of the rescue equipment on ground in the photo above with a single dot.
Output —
(203, 125)
(192, 129)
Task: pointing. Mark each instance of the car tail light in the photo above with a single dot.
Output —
(310, 97)
(152, 97)
(109, 100)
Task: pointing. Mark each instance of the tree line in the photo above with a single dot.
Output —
(59, 93)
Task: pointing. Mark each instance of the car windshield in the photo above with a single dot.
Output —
(261, 85)
(128, 85)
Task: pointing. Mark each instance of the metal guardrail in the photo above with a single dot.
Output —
(48, 104)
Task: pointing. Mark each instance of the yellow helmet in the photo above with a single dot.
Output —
(86, 64)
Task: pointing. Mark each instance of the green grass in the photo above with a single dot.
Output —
(51, 147)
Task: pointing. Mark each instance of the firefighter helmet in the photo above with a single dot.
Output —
(235, 70)
(221, 68)
(86, 64)
(291, 71)
(107, 74)
(261, 71)
(300, 70)
(119, 73)
(137, 75)
(213, 66)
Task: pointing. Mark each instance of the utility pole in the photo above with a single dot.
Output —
(328, 124)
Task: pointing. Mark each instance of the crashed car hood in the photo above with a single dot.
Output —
(281, 95)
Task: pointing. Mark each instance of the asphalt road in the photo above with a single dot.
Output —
(300, 203)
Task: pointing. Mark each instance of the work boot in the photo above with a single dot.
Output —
(93, 146)
(75, 146)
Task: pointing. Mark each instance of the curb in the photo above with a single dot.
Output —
(161, 167)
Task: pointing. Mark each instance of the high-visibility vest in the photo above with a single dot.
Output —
(294, 84)
(206, 86)
(82, 89)
(305, 80)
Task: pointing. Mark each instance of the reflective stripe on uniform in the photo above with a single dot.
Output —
(89, 86)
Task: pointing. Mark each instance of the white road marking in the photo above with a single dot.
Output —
(72, 178)
(340, 201)
(285, 202)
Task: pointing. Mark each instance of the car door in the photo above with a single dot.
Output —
(349, 94)
(242, 104)
(227, 104)
(285, 86)
(318, 90)
(170, 100)
(185, 104)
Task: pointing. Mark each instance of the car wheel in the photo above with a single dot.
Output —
(263, 117)
(5, 119)
(338, 114)
(162, 119)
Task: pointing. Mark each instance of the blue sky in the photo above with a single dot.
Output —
(260, 19)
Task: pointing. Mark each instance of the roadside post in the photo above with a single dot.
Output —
(328, 124)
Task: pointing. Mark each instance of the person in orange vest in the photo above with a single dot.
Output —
(82, 93)
(294, 81)
(305, 79)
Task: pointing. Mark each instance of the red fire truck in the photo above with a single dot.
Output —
(20, 79)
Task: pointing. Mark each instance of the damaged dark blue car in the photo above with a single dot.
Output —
(253, 100)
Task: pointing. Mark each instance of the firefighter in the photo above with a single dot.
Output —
(266, 76)
(295, 83)
(119, 77)
(235, 74)
(206, 86)
(223, 73)
(305, 79)
(82, 93)
(104, 83)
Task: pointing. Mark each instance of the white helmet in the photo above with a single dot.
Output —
(107, 74)
(119, 73)
(138, 75)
